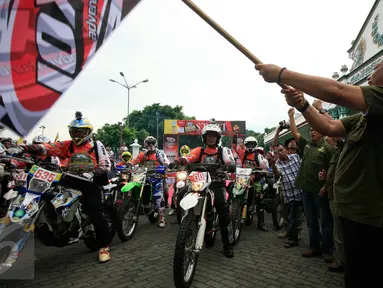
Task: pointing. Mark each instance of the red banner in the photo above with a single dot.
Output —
(45, 44)
(171, 147)
(194, 127)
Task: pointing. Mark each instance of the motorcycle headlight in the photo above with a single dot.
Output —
(37, 185)
(197, 186)
(181, 175)
(242, 179)
(137, 178)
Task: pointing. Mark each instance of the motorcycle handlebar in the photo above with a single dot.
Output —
(17, 159)
(77, 177)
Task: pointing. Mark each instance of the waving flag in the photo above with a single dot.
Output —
(44, 45)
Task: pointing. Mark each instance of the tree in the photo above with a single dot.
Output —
(269, 130)
(146, 119)
(110, 135)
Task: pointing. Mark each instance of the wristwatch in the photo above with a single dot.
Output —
(323, 111)
(304, 107)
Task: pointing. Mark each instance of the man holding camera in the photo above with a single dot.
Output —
(292, 149)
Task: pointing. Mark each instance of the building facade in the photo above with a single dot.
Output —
(366, 52)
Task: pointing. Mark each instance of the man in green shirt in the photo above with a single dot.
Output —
(358, 181)
(316, 156)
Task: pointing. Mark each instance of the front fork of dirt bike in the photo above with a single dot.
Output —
(139, 203)
(244, 210)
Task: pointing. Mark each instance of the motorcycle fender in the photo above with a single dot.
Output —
(10, 194)
(189, 201)
(109, 186)
(129, 186)
(27, 208)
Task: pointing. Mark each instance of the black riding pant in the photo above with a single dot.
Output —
(223, 211)
(93, 205)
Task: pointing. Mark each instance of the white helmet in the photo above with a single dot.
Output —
(150, 143)
(214, 128)
(261, 150)
(250, 143)
(41, 139)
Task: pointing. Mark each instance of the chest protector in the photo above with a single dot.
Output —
(81, 161)
(205, 158)
(250, 163)
(152, 160)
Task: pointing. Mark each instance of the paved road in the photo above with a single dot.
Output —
(146, 261)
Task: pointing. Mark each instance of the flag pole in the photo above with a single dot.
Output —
(225, 34)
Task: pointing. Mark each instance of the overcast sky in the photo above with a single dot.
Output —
(190, 64)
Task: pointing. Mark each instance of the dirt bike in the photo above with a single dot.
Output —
(53, 212)
(271, 196)
(277, 206)
(10, 177)
(238, 201)
(199, 224)
(138, 199)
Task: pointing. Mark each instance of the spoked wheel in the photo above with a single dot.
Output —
(277, 212)
(126, 223)
(249, 216)
(211, 231)
(235, 213)
(185, 257)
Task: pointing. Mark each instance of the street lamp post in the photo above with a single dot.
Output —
(157, 114)
(120, 127)
(42, 127)
(128, 87)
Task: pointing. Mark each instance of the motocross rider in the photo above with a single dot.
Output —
(251, 158)
(126, 157)
(85, 155)
(184, 151)
(212, 153)
(151, 158)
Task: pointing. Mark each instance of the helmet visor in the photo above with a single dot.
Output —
(184, 151)
(150, 142)
(79, 132)
(126, 158)
(251, 145)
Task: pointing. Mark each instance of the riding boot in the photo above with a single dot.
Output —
(227, 246)
(161, 217)
(261, 220)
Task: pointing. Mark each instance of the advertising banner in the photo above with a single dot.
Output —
(171, 146)
(174, 129)
(194, 127)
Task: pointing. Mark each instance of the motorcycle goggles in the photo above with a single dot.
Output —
(79, 132)
(150, 142)
(251, 145)
(126, 158)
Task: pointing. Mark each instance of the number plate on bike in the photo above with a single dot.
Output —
(198, 176)
(44, 175)
(21, 176)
